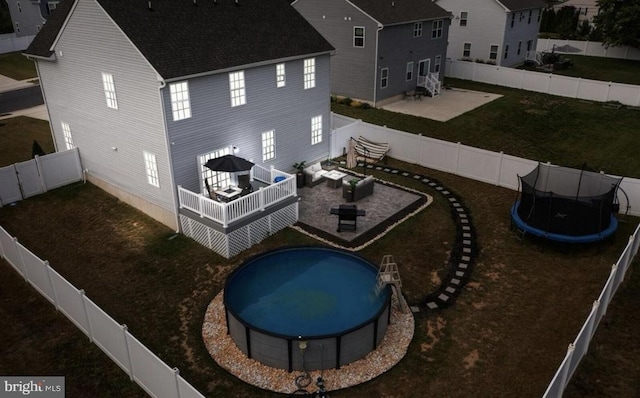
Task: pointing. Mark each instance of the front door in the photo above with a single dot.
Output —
(424, 66)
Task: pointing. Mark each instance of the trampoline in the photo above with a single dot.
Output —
(566, 205)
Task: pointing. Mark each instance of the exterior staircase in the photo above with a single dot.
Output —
(388, 274)
(431, 84)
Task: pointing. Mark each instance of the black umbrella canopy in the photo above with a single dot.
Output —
(229, 163)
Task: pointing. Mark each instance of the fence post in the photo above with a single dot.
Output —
(593, 326)
(176, 373)
(21, 260)
(565, 370)
(125, 332)
(499, 173)
(261, 199)
(458, 146)
(53, 288)
(43, 182)
(606, 98)
(86, 313)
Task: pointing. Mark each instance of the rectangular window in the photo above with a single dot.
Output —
(68, 139)
(236, 88)
(384, 77)
(180, 105)
(109, 90)
(151, 166)
(530, 14)
(316, 130)
(436, 65)
(17, 28)
(464, 15)
(466, 51)
(513, 19)
(529, 45)
(519, 48)
(506, 51)
(409, 71)
(493, 52)
(19, 7)
(215, 179)
(417, 29)
(268, 145)
(358, 36)
(521, 16)
(281, 78)
(309, 73)
(436, 31)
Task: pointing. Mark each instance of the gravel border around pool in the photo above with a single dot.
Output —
(390, 351)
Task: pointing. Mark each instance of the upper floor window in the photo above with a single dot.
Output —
(384, 77)
(151, 168)
(519, 47)
(466, 50)
(236, 88)
(309, 73)
(436, 30)
(417, 29)
(281, 78)
(493, 52)
(358, 36)
(19, 6)
(409, 73)
(506, 51)
(436, 65)
(109, 90)
(68, 139)
(521, 16)
(180, 105)
(513, 19)
(268, 145)
(215, 179)
(316, 130)
(464, 15)
(530, 14)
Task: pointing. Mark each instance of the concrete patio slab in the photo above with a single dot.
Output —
(451, 102)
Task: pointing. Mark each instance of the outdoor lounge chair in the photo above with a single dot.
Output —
(244, 183)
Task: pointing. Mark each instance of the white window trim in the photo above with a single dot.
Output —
(109, 87)
(281, 77)
(66, 133)
(384, 78)
(356, 37)
(437, 29)
(465, 50)
(216, 179)
(437, 64)
(237, 90)
(268, 145)
(180, 103)
(417, 29)
(464, 18)
(316, 129)
(409, 71)
(151, 168)
(309, 73)
(492, 53)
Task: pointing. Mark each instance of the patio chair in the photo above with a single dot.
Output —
(244, 183)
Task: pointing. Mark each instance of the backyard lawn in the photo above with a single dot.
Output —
(17, 66)
(505, 336)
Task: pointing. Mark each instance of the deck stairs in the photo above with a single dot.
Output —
(388, 274)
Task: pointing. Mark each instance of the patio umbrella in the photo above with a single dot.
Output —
(351, 155)
(567, 49)
(229, 163)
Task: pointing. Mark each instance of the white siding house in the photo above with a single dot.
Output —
(493, 31)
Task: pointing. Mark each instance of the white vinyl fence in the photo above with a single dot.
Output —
(495, 168)
(580, 345)
(142, 366)
(548, 83)
(9, 43)
(590, 48)
(38, 175)
(502, 170)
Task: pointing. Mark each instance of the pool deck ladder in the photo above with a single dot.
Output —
(388, 274)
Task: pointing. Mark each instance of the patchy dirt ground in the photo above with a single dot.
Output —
(504, 337)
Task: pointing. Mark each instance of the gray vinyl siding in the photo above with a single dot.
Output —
(521, 32)
(398, 47)
(28, 16)
(214, 124)
(89, 45)
(352, 69)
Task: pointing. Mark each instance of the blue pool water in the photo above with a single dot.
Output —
(305, 292)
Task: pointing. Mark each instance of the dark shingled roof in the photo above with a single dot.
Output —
(519, 5)
(181, 39)
(41, 44)
(391, 12)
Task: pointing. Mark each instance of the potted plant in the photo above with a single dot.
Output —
(352, 190)
(299, 173)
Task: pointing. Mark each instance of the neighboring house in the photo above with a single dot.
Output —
(28, 16)
(150, 90)
(501, 32)
(383, 48)
(586, 9)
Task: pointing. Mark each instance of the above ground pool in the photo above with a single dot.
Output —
(306, 308)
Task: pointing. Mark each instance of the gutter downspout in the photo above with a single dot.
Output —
(174, 191)
(44, 97)
(375, 66)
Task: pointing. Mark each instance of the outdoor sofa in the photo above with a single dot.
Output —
(314, 174)
(363, 188)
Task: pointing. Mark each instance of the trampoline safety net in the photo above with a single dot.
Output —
(567, 201)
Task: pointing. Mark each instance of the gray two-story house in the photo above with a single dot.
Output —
(28, 16)
(150, 90)
(384, 49)
(499, 32)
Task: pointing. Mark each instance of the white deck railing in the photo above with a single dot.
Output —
(225, 213)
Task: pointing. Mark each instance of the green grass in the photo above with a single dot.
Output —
(601, 68)
(17, 135)
(17, 66)
(564, 131)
